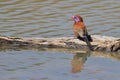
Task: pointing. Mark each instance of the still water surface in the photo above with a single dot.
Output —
(46, 65)
(52, 18)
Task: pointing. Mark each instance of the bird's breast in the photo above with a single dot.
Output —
(79, 26)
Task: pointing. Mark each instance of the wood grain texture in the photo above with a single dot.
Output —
(100, 43)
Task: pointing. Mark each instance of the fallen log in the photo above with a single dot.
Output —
(100, 43)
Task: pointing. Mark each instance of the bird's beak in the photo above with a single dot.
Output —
(73, 17)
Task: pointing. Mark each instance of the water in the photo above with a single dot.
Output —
(46, 65)
(43, 18)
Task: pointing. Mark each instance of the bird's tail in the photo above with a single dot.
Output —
(88, 43)
(89, 38)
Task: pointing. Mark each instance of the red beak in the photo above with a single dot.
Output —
(73, 17)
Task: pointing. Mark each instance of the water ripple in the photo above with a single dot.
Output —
(42, 18)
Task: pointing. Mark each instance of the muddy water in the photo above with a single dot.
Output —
(52, 18)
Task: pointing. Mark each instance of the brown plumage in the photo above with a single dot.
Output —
(80, 30)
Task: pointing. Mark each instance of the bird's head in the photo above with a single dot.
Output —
(77, 18)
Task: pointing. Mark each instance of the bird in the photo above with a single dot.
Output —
(80, 31)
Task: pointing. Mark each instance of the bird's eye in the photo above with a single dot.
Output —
(75, 17)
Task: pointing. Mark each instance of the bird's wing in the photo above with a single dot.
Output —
(83, 33)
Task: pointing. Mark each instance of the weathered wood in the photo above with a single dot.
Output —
(100, 43)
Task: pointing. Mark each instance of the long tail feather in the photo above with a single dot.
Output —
(89, 38)
(88, 43)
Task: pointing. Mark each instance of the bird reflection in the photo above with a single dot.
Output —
(78, 61)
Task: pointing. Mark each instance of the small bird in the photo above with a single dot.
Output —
(80, 31)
